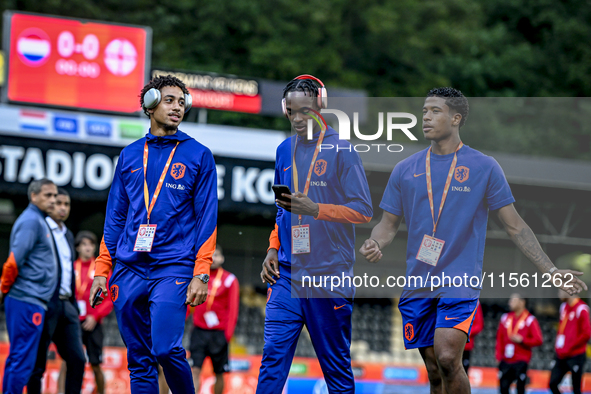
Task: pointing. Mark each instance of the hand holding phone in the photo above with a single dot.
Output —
(97, 297)
(279, 190)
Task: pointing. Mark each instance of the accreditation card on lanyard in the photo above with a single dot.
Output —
(81, 289)
(560, 338)
(431, 247)
(211, 318)
(147, 232)
(300, 234)
(512, 330)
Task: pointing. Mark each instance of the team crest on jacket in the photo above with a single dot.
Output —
(461, 174)
(320, 167)
(177, 171)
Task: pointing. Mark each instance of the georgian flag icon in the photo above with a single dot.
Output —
(33, 47)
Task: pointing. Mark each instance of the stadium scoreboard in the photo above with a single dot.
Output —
(75, 63)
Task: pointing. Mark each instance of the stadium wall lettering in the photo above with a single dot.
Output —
(86, 170)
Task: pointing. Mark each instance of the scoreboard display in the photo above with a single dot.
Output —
(75, 63)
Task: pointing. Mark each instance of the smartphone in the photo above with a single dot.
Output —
(97, 297)
(279, 190)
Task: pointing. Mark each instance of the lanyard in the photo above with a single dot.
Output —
(295, 167)
(564, 321)
(216, 284)
(447, 183)
(78, 274)
(513, 330)
(160, 182)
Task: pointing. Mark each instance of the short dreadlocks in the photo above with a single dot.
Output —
(307, 86)
(158, 83)
(454, 99)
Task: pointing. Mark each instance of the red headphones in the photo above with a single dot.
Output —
(322, 98)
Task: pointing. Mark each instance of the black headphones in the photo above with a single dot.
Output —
(153, 96)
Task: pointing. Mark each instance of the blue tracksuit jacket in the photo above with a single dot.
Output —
(185, 212)
(339, 185)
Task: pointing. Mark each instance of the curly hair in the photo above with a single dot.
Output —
(454, 99)
(158, 83)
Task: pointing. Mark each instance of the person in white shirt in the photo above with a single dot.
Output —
(62, 324)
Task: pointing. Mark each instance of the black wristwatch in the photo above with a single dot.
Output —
(203, 277)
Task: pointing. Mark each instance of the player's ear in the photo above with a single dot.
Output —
(456, 119)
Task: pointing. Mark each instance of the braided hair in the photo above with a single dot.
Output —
(307, 86)
(454, 99)
(158, 83)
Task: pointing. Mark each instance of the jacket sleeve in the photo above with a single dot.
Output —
(22, 241)
(584, 327)
(274, 239)
(116, 216)
(234, 300)
(534, 335)
(500, 345)
(205, 202)
(357, 208)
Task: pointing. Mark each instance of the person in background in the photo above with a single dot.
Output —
(29, 278)
(62, 324)
(574, 331)
(214, 323)
(477, 326)
(90, 318)
(519, 332)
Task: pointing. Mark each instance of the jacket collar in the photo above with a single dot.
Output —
(179, 136)
(36, 209)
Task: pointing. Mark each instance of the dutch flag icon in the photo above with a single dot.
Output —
(33, 47)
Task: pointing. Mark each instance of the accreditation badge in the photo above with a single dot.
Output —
(430, 250)
(509, 350)
(300, 239)
(560, 341)
(211, 319)
(145, 238)
(82, 308)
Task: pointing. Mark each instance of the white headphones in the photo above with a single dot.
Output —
(153, 96)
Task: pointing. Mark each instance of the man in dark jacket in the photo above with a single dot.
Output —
(62, 324)
(28, 282)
